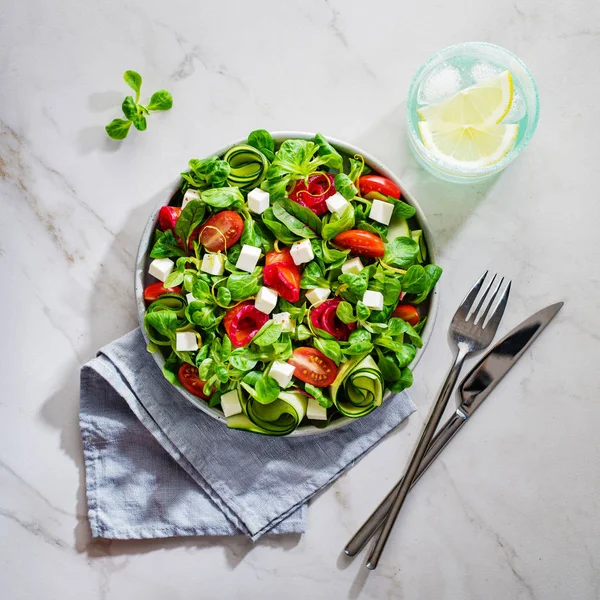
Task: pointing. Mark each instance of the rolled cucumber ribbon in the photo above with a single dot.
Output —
(174, 303)
(358, 387)
(248, 166)
(280, 417)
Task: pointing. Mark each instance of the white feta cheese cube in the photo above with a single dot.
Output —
(230, 403)
(315, 411)
(266, 299)
(283, 319)
(213, 264)
(248, 258)
(352, 266)
(337, 203)
(186, 341)
(373, 300)
(161, 268)
(190, 298)
(318, 295)
(302, 252)
(282, 373)
(189, 196)
(258, 201)
(381, 212)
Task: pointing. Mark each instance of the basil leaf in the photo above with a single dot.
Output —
(160, 100)
(303, 214)
(269, 333)
(362, 312)
(129, 107)
(208, 172)
(433, 273)
(279, 230)
(329, 348)
(358, 348)
(191, 216)
(337, 224)
(225, 197)
(242, 359)
(390, 287)
(356, 168)
(166, 246)
(401, 252)
(327, 153)
(223, 296)
(312, 277)
(373, 227)
(175, 278)
(398, 326)
(262, 140)
(267, 390)
(402, 210)
(254, 235)
(139, 122)
(118, 129)
(345, 313)
(302, 333)
(201, 291)
(133, 80)
(318, 395)
(333, 256)
(359, 335)
(163, 321)
(405, 381)
(356, 285)
(389, 369)
(243, 285)
(343, 184)
(170, 370)
(291, 222)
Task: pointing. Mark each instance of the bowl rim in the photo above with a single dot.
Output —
(438, 163)
(279, 136)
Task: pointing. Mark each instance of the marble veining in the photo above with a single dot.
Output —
(511, 508)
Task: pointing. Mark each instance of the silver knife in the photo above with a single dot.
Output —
(474, 389)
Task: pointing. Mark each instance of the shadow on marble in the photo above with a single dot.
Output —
(61, 410)
(90, 139)
(446, 205)
(105, 101)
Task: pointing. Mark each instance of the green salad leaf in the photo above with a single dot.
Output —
(401, 252)
(343, 184)
(262, 140)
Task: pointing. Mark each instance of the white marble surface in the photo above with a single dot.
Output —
(512, 508)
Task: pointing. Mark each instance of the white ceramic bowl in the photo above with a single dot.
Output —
(142, 278)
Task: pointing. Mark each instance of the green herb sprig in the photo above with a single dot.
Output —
(135, 112)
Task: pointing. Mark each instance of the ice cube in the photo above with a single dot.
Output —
(481, 71)
(440, 84)
(518, 109)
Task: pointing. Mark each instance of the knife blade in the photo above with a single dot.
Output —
(474, 389)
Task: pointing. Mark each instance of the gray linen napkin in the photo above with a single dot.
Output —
(158, 467)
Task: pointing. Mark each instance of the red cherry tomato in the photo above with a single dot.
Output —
(376, 184)
(359, 242)
(324, 317)
(313, 367)
(313, 196)
(281, 274)
(407, 312)
(154, 290)
(242, 323)
(188, 376)
(221, 231)
(167, 217)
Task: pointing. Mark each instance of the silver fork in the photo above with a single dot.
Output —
(471, 333)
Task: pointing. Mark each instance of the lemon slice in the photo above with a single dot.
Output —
(484, 103)
(468, 146)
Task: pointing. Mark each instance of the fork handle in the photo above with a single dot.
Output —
(418, 454)
(377, 517)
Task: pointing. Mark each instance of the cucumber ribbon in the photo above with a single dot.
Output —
(171, 302)
(280, 417)
(358, 387)
(247, 166)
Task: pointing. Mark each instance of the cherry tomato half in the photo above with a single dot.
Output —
(407, 312)
(324, 317)
(154, 290)
(359, 242)
(313, 196)
(188, 376)
(242, 323)
(167, 217)
(282, 274)
(313, 367)
(221, 231)
(369, 184)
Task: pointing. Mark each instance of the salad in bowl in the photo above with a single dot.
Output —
(286, 287)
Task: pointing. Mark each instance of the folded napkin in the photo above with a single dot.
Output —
(156, 466)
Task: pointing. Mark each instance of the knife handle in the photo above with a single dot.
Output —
(378, 516)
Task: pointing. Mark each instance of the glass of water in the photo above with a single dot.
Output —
(454, 69)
